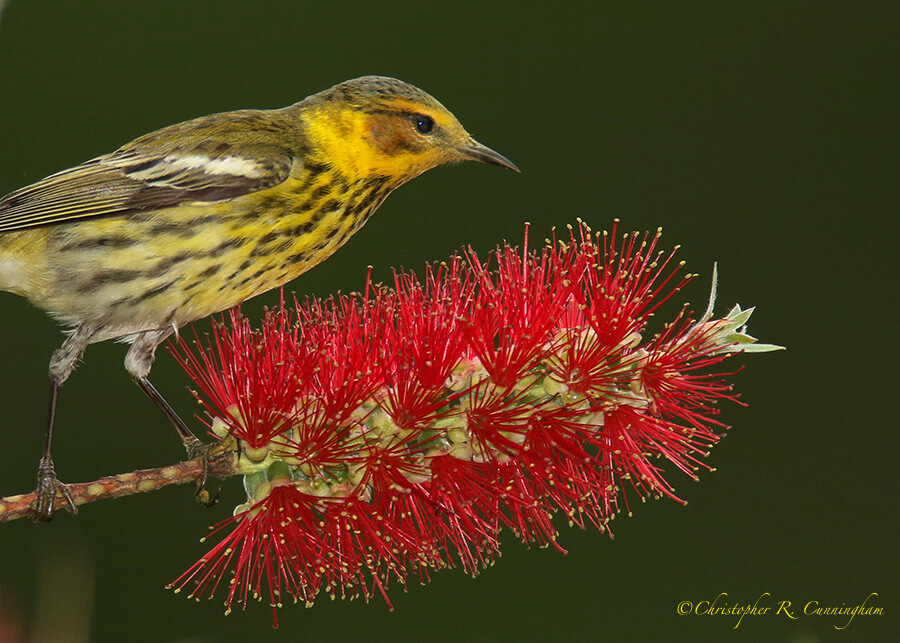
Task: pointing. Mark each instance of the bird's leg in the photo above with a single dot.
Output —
(138, 362)
(192, 443)
(62, 364)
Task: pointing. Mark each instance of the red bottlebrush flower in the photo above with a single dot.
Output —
(397, 431)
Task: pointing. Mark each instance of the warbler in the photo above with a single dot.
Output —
(197, 217)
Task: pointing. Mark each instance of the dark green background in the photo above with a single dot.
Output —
(761, 136)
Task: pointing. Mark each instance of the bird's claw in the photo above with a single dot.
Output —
(48, 488)
(208, 454)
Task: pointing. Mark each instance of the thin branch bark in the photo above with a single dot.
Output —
(124, 484)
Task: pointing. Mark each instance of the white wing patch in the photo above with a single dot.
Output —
(233, 165)
(227, 165)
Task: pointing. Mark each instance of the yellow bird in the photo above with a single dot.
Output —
(197, 217)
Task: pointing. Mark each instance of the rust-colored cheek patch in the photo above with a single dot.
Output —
(392, 135)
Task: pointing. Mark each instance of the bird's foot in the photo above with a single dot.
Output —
(209, 455)
(48, 490)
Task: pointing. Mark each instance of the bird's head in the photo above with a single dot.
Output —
(379, 126)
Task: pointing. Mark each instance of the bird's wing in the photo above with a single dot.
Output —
(159, 170)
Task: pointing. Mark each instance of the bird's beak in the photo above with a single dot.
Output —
(475, 151)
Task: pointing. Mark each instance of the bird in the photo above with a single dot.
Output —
(197, 217)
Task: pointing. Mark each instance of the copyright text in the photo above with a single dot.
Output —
(841, 614)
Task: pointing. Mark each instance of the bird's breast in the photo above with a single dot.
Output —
(179, 264)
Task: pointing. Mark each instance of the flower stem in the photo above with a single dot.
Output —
(124, 484)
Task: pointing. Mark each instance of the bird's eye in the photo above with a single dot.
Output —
(424, 123)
